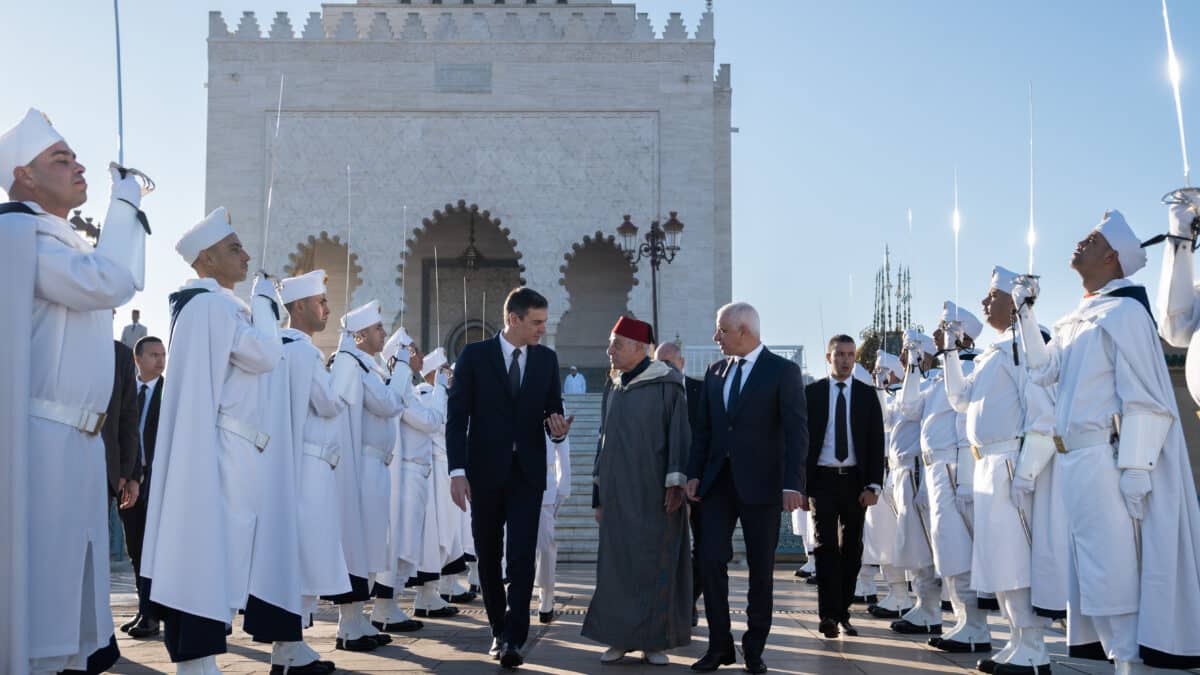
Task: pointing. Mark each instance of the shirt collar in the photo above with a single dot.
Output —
(506, 347)
(752, 356)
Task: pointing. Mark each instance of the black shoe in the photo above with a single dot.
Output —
(803, 573)
(754, 664)
(865, 599)
(883, 613)
(460, 599)
(131, 623)
(947, 606)
(495, 649)
(907, 627)
(145, 628)
(437, 613)
(934, 641)
(314, 668)
(828, 628)
(713, 660)
(847, 628)
(406, 626)
(811, 581)
(985, 665)
(956, 647)
(546, 617)
(474, 588)
(511, 656)
(363, 644)
(1010, 669)
(381, 639)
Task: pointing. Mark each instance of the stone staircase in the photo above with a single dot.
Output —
(576, 530)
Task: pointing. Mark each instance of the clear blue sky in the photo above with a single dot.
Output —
(850, 113)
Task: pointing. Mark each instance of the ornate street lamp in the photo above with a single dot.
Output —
(660, 245)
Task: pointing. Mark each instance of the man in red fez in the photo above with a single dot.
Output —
(643, 598)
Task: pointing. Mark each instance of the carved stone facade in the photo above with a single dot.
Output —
(554, 118)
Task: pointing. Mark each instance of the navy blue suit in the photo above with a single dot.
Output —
(500, 441)
(744, 458)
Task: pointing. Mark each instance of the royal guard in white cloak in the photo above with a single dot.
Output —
(316, 411)
(865, 590)
(371, 408)
(435, 373)
(879, 527)
(558, 490)
(947, 472)
(214, 537)
(913, 551)
(1133, 519)
(1009, 424)
(59, 293)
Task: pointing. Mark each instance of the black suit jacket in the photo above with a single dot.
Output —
(120, 430)
(695, 391)
(866, 429)
(150, 433)
(484, 422)
(765, 437)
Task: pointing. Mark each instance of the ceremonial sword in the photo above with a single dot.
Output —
(1020, 511)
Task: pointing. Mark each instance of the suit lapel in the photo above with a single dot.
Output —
(752, 381)
(720, 385)
(496, 358)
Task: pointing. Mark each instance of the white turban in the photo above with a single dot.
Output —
(303, 286)
(970, 323)
(362, 317)
(1003, 280)
(886, 361)
(1122, 239)
(21, 144)
(203, 234)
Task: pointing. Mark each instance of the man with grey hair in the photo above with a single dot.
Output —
(747, 463)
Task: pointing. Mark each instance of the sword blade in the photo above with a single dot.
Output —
(120, 94)
(1174, 74)
(1020, 511)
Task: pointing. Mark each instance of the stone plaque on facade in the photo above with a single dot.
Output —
(463, 78)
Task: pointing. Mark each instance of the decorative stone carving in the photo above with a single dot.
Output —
(314, 29)
(248, 27)
(281, 29)
(381, 28)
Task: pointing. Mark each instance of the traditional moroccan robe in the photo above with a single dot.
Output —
(643, 596)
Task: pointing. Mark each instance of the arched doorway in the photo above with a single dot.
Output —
(598, 279)
(455, 296)
(327, 253)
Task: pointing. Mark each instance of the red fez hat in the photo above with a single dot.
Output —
(638, 331)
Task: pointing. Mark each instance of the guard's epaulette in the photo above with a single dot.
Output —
(356, 360)
(177, 301)
(16, 207)
(1137, 293)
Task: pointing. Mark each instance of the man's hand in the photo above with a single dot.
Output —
(793, 500)
(868, 498)
(674, 499)
(129, 494)
(559, 427)
(598, 513)
(692, 487)
(1025, 290)
(460, 491)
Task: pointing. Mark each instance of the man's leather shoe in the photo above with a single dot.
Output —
(934, 641)
(866, 599)
(495, 649)
(406, 626)
(1011, 669)
(442, 613)
(828, 628)
(754, 664)
(131, 623)
(947, 606)
(882, 613)
(803, 573)
(314, 668)
(847, 628)
(956, 647)
(713, 660)
(460, 599)
(546, 617)
(363, 644)
(906, 627)
(511, 656)
(474, 588)
(811, 581)
(144, 629)
(985, 665)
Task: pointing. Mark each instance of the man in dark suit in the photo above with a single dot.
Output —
(504, 400)
(747, 462)
(151, 358)
(672, 355)
(120, 431)
(845, 470)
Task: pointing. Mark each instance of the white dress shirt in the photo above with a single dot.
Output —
(828, 456)
(746, 368)
(507, 349)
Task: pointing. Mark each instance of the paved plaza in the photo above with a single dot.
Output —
(459, 644)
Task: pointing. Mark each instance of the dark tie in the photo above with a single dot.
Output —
(141, 400)
(735, 387)
(841, 446)
(514, 373)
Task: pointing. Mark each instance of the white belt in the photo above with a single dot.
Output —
(940, 455)
(77, 418)
(384, 456)
(239, 428)
(1085, 439)
(424, 467)
(324, 453)
(998, 448)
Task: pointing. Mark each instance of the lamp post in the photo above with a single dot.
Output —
(660, 245)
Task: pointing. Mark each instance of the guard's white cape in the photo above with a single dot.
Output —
(315, 414)
(349, 471)
(448, 520)
(201, 520)
(412, 472)
(1169, 611)
(58, 294)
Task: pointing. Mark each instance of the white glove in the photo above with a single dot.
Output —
(1179, 220)
(954, 329)
(126, 189)
(1025, 290)
(1021, 492)
(265, 287)
(1135, 485)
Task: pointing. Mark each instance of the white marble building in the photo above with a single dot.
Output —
(525, 128)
